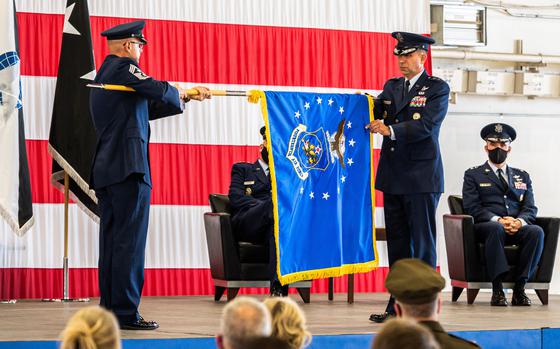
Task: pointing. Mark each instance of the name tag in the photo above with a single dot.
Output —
(520, 185)
(386, 102)
(485, 184)
(249, 183)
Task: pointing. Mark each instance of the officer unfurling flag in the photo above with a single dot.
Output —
(15, 188)
(322, 183)
(72, 136)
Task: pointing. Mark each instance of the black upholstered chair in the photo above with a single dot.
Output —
(465, 254)
(236, 264)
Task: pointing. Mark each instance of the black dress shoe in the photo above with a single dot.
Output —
(498, 299)
(139, 324)
(277, 290)
(380, 318)
(519, 298)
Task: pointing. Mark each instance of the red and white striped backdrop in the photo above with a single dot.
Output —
(314, 45)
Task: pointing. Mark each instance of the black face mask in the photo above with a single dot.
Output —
(264, 154)
(497, 155)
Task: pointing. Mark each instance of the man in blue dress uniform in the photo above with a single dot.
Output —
(500, 198)
(409, 113)
(250, 198)
(121, 169)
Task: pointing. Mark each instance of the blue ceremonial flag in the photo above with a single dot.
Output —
(322, 183)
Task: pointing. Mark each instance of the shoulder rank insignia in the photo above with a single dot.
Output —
(137, 72)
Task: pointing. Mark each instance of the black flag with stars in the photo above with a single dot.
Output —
(72, 136)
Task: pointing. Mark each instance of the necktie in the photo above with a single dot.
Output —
(502, 179)
(406, 88)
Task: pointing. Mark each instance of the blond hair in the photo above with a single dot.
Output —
(91, 328)
(288, 322)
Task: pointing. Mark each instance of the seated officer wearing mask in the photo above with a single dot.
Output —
(417, 289)
(250, 198)
(500, 198)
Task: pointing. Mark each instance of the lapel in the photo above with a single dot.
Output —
(398, 92)
(413, 92)
(259, 172)
(511, 183)
(492, 176)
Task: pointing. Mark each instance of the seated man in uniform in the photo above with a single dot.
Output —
(251, 203)
(500, 198)
(416, 287)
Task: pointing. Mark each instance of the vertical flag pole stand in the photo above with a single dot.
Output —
(66, 270)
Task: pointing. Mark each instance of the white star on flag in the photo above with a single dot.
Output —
(343, 179)
(352, 142)
(330, 101)
(306, 105)
(349, 124)
(68, 27)
(297, 114)
(341, 110)
(350, 161)
(311, 195)
(301, 190)
(326, 196)
(319, 100)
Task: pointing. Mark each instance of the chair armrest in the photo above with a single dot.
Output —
(222, 247)
(460, 245)
(551, 227)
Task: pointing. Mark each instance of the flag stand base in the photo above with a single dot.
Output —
(65, 298)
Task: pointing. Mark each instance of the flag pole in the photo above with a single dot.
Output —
(190, 92)
(65, 269)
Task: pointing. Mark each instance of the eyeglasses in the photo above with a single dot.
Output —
(140, 45)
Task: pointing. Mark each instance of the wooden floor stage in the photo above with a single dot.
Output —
(188, 317)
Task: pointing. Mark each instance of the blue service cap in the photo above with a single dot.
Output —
(498, 132)
(126, 30)
(410, 42)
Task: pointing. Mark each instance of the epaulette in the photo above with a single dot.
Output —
(466, 341)
(434, 78)
(518, 170)
(475, 167)
(394, 79)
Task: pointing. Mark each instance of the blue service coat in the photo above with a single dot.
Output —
(121, 120)
(250, 198)
(411, 164)
(484, 195)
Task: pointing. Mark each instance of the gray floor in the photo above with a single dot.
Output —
(181, 317)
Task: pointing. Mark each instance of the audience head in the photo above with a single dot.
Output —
(416, 287)
(91, 328)
(404, 334)
(267, 343)
(243, 319)
(288, 322)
